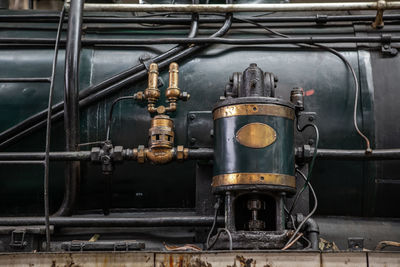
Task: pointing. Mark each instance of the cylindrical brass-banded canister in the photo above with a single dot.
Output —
(254, 144)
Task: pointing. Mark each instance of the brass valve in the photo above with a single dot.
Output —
(173, 93)
(151, 94)
(161, 148)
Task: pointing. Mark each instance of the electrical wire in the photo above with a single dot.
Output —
(311, 212)
(216, 207)
(293, 242)
(111, 114)
(218, 235)
(48, 132)
(311, 166)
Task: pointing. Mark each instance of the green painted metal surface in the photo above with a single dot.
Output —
(232, 157)
(341, 186)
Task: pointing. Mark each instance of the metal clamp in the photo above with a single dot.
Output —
(120, 246)
(378, 23)
(18, 239)
(387, 48)
(321, 19)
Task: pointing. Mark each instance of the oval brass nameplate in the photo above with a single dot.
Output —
(256, 135)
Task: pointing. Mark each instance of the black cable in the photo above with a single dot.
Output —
(311, 212)
(48, 133)
(111, 114)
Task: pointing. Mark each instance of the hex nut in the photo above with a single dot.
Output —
(184, 96)
(141, 155)
(180, 155)
(118, 153)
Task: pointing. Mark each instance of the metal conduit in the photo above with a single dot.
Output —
(381, 5)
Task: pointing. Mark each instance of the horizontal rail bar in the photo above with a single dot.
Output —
(25, 80)
(223, 8)
(229, 41)
(112, 222)
(187, 19)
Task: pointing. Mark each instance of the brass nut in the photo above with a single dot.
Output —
(139, 96)
(141, 155)
(180, 155)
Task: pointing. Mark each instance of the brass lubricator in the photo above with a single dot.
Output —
(161, 133)
(172, 94)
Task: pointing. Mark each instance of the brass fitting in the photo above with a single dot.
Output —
(378, 23)
(182, 153)
(151, 94)
(173, 93)
(161, 132)
(160, 155)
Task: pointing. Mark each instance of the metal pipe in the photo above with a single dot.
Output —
(186, 20)
(223, 8)
(113, 222)
(26, 80)
(210, 40)
(205, 154)
(341, 154)
(48, 131)
(71, 103)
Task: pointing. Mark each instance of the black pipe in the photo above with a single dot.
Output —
(311, 230)
(207, 154)
(209, 40)
(113, 222)
(102, 90)
(48, 132)
(319, 18)
(26, 80)
(341, 154)
(71, 104)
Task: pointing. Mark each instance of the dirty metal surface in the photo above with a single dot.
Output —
(203, 259)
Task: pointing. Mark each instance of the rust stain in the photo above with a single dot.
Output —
(199, 263)
(180, 263)
(171, 261)
(244, 262)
